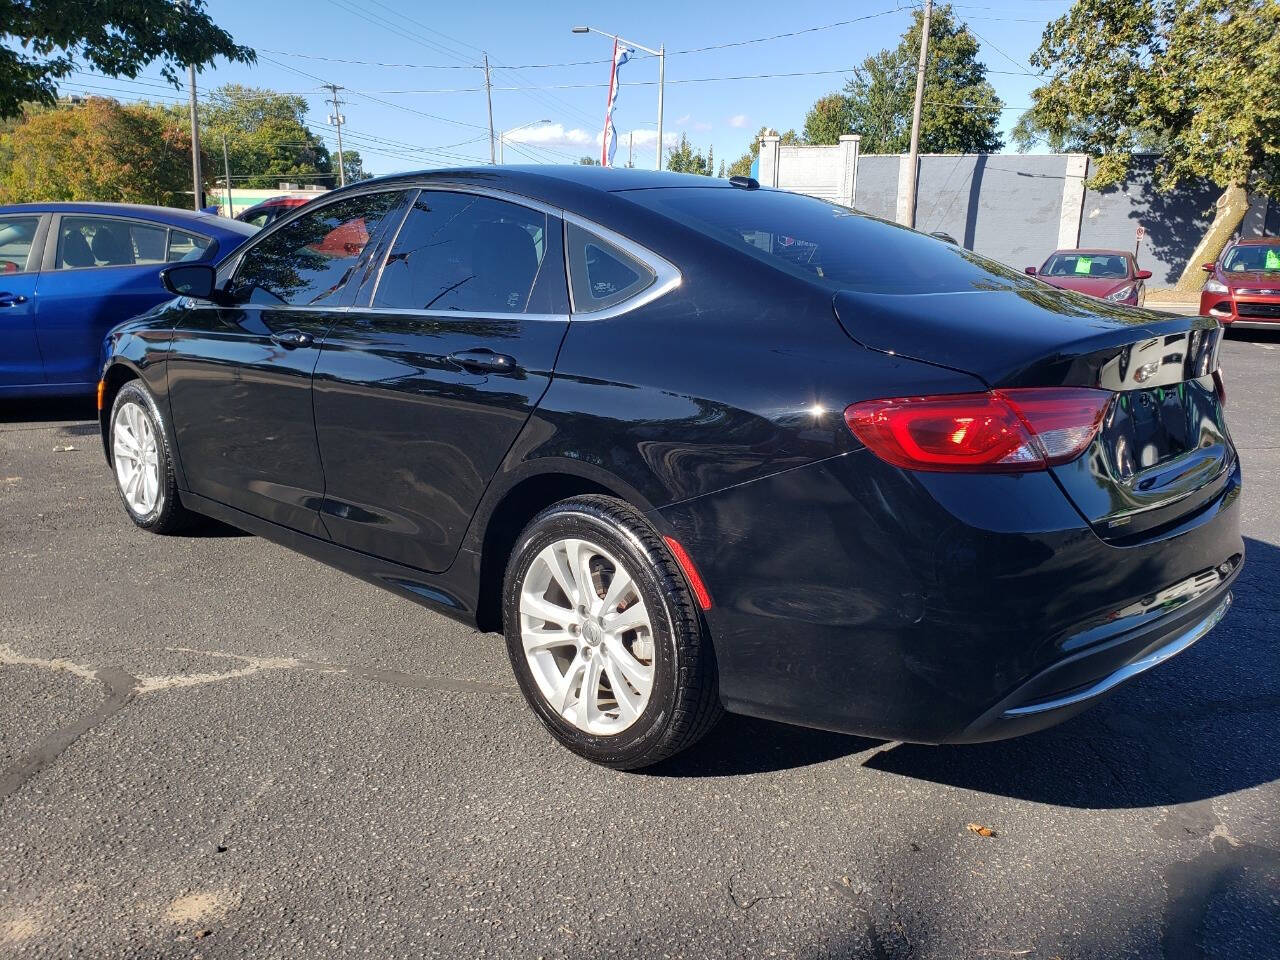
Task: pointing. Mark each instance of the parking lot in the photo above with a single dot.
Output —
(212, 746)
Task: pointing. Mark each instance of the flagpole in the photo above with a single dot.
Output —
(660, 53)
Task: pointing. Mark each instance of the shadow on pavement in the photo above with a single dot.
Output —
(1201, 726)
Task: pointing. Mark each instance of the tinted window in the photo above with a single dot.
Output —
(307, 260)
(600, 273)
(107, 242)
(833, 245)
(16, 235)
(1101, 265)
(186, 246)
(458, 251)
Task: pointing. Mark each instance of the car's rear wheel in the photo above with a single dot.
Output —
(142, 462)
(604, 638)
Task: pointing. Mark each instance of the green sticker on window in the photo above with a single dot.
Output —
(1083, 264)
(1273, 260)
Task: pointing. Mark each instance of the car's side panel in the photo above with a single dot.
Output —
(21, 365)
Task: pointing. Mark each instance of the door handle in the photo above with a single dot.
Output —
(11, 299)
(289, 339)
(484, 360)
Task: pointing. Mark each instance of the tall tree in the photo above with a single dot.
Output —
(961, 112)
(1197, 77)
(97, 150)
(46, 39)
(268, 139)
(684, 159)
(742, 166)
(828, 120)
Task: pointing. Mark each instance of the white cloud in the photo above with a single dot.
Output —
(685, 119)
(738, 120)
(557, 135)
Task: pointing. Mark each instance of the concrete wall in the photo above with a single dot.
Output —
(1016, 208)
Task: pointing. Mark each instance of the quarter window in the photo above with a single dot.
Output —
(308, 260)
(16, 236)
(600, 273)
(463, 252)
(186, 246)
(108, 242)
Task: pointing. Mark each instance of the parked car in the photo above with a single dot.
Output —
(69, 272)
(693, 445)
(1243, 289)
(269, 211)
(1106, 274)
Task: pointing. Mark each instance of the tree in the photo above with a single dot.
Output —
(353, 166)
(683, 159)
(588, 162)
(46, 39)
(268, 139)
(98, 150)
(1198, 78)
(961, 112)
(742, 166)
(828, 120)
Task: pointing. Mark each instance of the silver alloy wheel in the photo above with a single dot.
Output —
(587, 636)
(135, 451)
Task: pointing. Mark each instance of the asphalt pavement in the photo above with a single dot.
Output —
(210, 746)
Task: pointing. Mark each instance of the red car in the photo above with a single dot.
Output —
(1111, 275)
(1243, 289)
(271, 210)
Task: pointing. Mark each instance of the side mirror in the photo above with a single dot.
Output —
(1208, 267)
(1031, 271)
(1143, 274)
(190, 280)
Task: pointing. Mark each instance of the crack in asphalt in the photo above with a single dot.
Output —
(122, 687)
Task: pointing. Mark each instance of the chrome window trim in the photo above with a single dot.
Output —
(667, 275)
(459, 314)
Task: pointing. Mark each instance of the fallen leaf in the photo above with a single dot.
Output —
(980, 830)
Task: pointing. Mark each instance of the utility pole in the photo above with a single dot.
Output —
(488, 95)
(195, 141)
(337, 120)
(226, 171)
(631, 148)
(913, 159)
(662, 76)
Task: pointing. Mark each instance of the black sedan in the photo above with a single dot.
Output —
(693, 445)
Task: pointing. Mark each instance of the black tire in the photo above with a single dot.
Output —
(684, 701)
(168, 515)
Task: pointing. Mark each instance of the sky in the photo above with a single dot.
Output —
(414, 89)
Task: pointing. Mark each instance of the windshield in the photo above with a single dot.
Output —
(833, 245)
(1105, 266)
(1252, 257)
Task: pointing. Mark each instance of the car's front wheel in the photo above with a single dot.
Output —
(143, 463)
(604, 638)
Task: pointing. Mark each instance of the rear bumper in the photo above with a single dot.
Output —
(936, 608)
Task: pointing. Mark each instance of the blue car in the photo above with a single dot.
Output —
(69, 272)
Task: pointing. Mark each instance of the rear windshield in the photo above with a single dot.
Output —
(1105, 266)
(1252, 257)
(834, 245)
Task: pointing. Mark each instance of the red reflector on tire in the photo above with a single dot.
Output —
(1000, 431)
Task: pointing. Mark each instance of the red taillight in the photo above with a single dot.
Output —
(1002, 431)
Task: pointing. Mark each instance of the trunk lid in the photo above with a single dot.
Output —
(1163, 451)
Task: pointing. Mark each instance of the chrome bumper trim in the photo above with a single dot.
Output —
(1129, 670)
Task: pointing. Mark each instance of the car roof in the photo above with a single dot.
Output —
(1094, 251)
(170, 216)
(1255, 241)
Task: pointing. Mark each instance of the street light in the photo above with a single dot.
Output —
(502, 156)
(661, 54)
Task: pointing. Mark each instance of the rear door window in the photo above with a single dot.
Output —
(469, 253)
(108, 242)
(308, 260)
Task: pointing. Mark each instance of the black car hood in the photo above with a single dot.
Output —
(1026, 337)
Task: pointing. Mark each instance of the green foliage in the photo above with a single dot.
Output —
(267, 137)
(353, 166)
(742, 166)
(683, 159)
(588, 162)
(98, 150)
(46, 39)
(828, 120)
(961, 112)
(1196, 79)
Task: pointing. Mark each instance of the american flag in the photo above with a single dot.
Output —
(610, 143)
